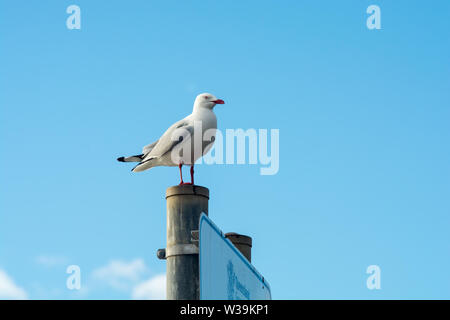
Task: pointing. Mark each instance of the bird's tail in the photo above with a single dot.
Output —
(136, 158)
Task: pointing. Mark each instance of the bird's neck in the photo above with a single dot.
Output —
(198, 109)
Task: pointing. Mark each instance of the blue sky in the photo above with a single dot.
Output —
(363, 116)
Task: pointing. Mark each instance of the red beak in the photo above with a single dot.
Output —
(219, 101)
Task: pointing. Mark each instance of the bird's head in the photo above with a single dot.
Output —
(206, 100)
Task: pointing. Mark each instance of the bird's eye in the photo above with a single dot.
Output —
(206, 97)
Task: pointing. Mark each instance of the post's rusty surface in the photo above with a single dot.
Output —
(185, 204)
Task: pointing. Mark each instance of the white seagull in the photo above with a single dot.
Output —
(182, 135)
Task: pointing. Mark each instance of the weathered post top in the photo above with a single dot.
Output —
(185, 204)
(187, 189)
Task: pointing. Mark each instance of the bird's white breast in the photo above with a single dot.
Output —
(207, 118)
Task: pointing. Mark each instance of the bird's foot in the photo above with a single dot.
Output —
(185, 183)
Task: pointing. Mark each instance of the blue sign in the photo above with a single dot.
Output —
(225, 274)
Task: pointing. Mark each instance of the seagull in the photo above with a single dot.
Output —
(182, 135)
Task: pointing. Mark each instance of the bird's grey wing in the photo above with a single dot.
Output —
(139, 157)
(208, 145)
(149, 147)
(178, 132)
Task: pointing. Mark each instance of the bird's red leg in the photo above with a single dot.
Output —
(192, 174)
(181, 173)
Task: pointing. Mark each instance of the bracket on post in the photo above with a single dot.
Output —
(161, 254)
(195, 237)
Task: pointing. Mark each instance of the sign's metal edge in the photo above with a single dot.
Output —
(204, 217)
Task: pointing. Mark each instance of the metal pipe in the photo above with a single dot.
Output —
(242, 242)
(185, 204)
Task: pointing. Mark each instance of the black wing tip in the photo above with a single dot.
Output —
(121, 159)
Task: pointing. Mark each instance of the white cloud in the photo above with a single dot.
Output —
(151, 289)
(9, 290)
(121, 274)
(132, 277)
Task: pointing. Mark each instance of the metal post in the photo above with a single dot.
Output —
(185, 203)
(242, 242)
